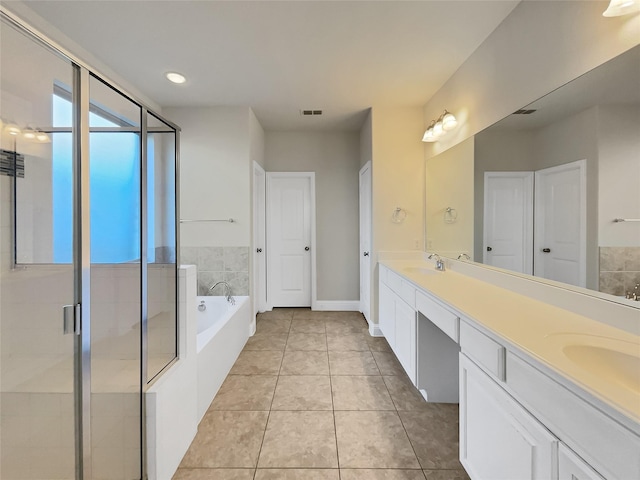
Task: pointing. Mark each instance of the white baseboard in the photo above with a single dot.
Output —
(375, 331)
(337, 305)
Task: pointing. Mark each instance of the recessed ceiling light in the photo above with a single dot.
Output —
(175, 77)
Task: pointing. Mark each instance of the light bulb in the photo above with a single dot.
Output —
(449, 122)
(437, 128)
(428, 134)
(42, 137)
(13, 129)
(617, 8)
(29, 133)
(176, 77)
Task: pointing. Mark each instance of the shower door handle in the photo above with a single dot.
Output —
(71, 319)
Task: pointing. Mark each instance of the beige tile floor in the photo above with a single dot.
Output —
(314, 397)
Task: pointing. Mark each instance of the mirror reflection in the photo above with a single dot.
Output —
(540, 191)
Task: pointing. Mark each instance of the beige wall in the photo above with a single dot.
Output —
(618, 174)
(537, 48)
(366, 141)
(449, 183)
(214, 175)
(335, 159)
(397, 181)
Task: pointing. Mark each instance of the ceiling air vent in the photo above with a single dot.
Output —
(523, 111)
(310, 113)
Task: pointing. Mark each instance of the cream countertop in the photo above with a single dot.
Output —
(537, 329)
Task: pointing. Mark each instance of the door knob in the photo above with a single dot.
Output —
(366, 254)
(306, 249)
(489, 249)
(546, 250)
(259, 250)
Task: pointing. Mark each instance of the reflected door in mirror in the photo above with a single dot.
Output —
(508, 220)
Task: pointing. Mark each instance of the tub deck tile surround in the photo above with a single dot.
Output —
(314, 397)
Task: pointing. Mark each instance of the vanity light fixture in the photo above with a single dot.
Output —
(618, 8)
(175, 77)
(437, 128)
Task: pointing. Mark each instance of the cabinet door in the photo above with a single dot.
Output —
(499, 440)
(405, 348)
(386, 314)
(572, 467)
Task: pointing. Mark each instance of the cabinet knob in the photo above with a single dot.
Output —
(489, 249)
(259, 250)
(546, 250)
(366, 254)
(306, 249)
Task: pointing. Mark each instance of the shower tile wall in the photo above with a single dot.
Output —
(215, 264)
(619, 269)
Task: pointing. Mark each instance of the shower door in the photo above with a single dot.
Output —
(40, 404)
(88, 268)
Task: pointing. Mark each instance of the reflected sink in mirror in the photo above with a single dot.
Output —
(613, 359)
(420, 270)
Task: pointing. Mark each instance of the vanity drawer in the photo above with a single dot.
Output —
(405, 290)
(442, 318)
(488, 353)
(394, 281)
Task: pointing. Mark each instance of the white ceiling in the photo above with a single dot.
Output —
(279, 57)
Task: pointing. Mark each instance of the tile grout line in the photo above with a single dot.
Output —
(333, 407)
(255, 472)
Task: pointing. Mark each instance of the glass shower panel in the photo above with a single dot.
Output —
(161, 245)
(115, 166)
(37, 412)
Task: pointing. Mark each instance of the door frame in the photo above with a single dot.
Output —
(259, 269)
(366, 166)
(312, 186)
(581, 166)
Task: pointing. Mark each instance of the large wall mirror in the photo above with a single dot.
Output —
(553, 190)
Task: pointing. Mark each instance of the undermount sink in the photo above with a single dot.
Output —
(421, 270)
(613, 359)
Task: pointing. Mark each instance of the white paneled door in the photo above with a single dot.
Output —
(560, 219)
(365, 240)
(289, 225)
(508, 221)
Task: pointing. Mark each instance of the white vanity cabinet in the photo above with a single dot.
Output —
(398, 319)
(519, 417)
(500, 440)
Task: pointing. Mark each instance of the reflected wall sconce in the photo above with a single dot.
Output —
(438, 128)
(618, 8)
(27, 133)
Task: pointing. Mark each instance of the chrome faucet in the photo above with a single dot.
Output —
(635, 294)
(464, 256)
(227, 291)
(439, 262)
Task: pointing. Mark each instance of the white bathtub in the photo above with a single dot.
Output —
(223, 330)
(217, 313)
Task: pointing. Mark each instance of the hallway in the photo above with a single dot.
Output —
(314, 397)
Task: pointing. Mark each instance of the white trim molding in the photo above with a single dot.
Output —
(337, 305)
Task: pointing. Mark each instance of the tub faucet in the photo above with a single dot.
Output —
(439, 261)
(227, 291)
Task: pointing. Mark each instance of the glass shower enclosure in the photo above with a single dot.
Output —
(88, 268)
